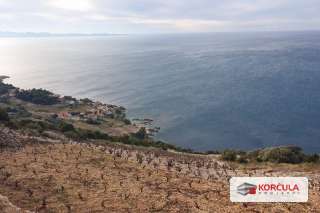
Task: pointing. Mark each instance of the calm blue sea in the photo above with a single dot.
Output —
(205, 91)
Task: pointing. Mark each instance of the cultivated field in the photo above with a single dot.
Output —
(72, 177)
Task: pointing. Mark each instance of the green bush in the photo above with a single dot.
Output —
(96, 135)
(242, 159)
(40, 126)
(290, 154)
(312, 158)
(66, 127)
(284, 154)
(141, 134)
(127, 121)
(212, 152)
(71, 134)
(4, 117)
(4, 88)
(82, 134)
(229, 155)
(37, 96)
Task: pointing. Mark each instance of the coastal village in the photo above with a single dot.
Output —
(96, 111)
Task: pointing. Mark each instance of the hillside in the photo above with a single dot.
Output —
(78, 177)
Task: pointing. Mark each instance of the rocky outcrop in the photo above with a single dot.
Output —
(9, 139)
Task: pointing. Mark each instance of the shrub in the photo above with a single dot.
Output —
(38, 96)
(212, 152)
(71, 134)
(312, 158)
(4, 88)
(65, 127)
(242, 159)
(141, 134)
(4, 115)
(97, 135)
(35, 126)
(290, 154)
(40, 126)
(229, 155)
(82, 134)
(127, 121)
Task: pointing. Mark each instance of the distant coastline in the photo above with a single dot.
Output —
(3, 77)
(47, 34)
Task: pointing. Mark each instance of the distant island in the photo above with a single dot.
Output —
(48, 34)
(2, 77)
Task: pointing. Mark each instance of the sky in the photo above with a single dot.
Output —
(158, 16)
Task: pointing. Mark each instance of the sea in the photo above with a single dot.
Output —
(206, 91)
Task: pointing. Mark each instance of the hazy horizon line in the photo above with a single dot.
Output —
(78, 34)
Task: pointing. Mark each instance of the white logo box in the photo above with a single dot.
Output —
(269, 189)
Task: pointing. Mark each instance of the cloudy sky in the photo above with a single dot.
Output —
(154, 16)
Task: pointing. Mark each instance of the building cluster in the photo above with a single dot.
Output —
(95, 111)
